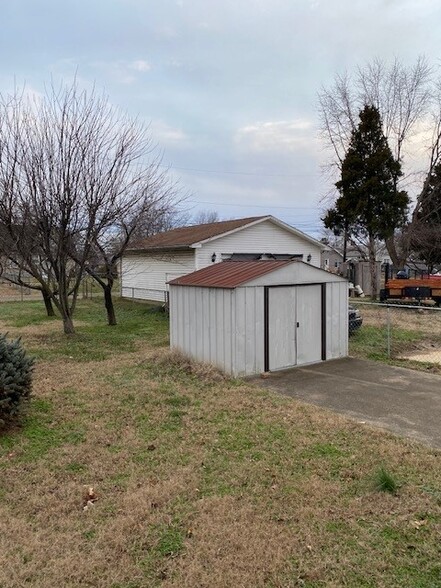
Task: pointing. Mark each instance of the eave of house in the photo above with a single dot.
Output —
(273, 220)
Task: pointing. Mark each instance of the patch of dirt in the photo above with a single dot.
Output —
(433, 356)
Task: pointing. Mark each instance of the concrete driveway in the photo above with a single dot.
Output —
(404, 401)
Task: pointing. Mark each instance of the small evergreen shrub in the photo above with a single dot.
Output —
(385, 482)
(15, 377)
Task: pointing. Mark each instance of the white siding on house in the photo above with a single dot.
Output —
(144, 276)
(265, 237)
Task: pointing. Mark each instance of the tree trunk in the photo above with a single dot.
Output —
(373, 268)
(68, 325)
(345, 244)
(48, 303)
(398, 261)
(108, 301)
(63, 299)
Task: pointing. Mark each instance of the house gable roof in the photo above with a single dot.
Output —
(197, 235)
(229, 274)
(186, 237)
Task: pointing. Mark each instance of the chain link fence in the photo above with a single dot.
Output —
(404, 333)
(10, 292)
(89, 289)
(13, 293)
(148, 294)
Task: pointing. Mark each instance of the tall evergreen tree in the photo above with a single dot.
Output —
(370, 207)
(425, 233)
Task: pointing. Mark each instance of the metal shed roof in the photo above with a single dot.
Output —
(230, 274)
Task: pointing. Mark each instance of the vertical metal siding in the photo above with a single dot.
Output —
(240, 340)
(174, 313)
(249, 331)
(228, 320)
(202, 324)
(259, 331)
(337, 320)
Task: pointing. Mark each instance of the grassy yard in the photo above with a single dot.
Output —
(414, 336)
(201, 481)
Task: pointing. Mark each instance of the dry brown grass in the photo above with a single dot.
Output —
(426, 320)
(205, 482)
(10, 293)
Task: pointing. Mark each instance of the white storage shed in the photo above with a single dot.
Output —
(248, 317)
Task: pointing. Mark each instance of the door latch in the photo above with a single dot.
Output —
(298, 325)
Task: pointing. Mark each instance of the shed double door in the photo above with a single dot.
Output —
(294, 325)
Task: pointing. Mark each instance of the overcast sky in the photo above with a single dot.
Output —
(228, 86)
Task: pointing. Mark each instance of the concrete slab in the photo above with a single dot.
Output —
(404, 401)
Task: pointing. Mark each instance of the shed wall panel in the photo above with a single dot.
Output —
(239, 331)
(250, 329)
(259, 332)
(264, 237)
(336, 320)
(227, 320)
(174, 314)
(202, 324)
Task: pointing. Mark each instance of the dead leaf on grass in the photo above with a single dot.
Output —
(89, 497)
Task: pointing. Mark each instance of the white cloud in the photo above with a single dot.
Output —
(175, 63)
(140, 65)
(283, 135)
(166, 135)
(123, 72)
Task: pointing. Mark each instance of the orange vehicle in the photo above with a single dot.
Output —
(426, 288)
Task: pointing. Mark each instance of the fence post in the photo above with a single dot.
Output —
(388, 333)
(133, 294)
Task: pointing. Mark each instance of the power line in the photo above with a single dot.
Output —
(236, 173)
(253, 205)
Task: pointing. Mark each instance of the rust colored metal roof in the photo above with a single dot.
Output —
(184, 237)
(229, 274)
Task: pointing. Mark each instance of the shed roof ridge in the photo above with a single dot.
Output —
(230, 274)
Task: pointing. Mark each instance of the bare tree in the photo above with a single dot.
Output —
(408, 100)
(205, 216)
(21, 264)
(71, 167)
(135, 220)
